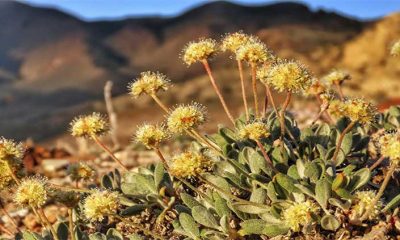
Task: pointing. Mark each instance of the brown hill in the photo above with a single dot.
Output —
(53, 65)
(374, 71)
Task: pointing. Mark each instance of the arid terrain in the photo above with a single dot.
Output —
(53, 66)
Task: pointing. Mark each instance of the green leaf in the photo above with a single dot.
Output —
(106, 182)
(147, 181)
(204, 217)
(343, 193)
(113, 234)
(359, 179)
(272, 230)
(336, 202)
(329, 222)
(189, 200)
(305, 190)
(135, 237)
(252, 226)
(229, 135)
(322, 192)
(158, 174)
(392, 204)
(285, 182)
(219, 182)
(257, 162)
(31, 236)
(133, 210)
(62, 231)
(224, 223)
(252, 209)
(312, 170)
(347, 143)
(258, 195)
(221, 206)
(79, 235)
(189, 225)
(292, 172)
(97, 236)
(301, 168)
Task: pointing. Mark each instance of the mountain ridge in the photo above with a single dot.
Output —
(45, 53)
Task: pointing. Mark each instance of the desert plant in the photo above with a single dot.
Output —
(264, 176)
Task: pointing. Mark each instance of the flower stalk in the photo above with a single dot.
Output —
(109, 152)
(254, 87)
(341, 137)
(240, 67)
(217, 91)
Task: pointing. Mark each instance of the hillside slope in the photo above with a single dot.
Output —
(53, 65)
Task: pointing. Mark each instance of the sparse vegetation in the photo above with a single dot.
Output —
(261, 177)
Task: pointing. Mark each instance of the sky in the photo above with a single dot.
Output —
(117, 9)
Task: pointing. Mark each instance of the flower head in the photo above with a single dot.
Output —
(359, 110)
(395, 50)
(80, 171)
(11, 151)
(288, 75)
(189, 164)
(89, 126)
(299, 214)
(32, 192)
(186, 117)
(198, 51)
(254, 51)
(99, 204)
(336, 77)
(233, 41)
(254, 131)
(356, 109)
(364, 202)
(149, 83)
(151, 135)
(336, 108)
(390, 146)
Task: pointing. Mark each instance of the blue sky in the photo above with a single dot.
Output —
(114, 9)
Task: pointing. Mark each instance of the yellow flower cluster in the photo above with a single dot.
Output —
(80, 171)
(336, 77)
(189, 164)
(254, 131)
(390, 146)
(151, 135)
(149, 83)
(299, 214)
(10, 151)
(395, 50)
(200, 50)
(186, 117)
(89, 126)
(233, 41)
(32, 192)
(100, 204)
(357, 109)
(254, 51)
(364, 202)
(287, 75)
